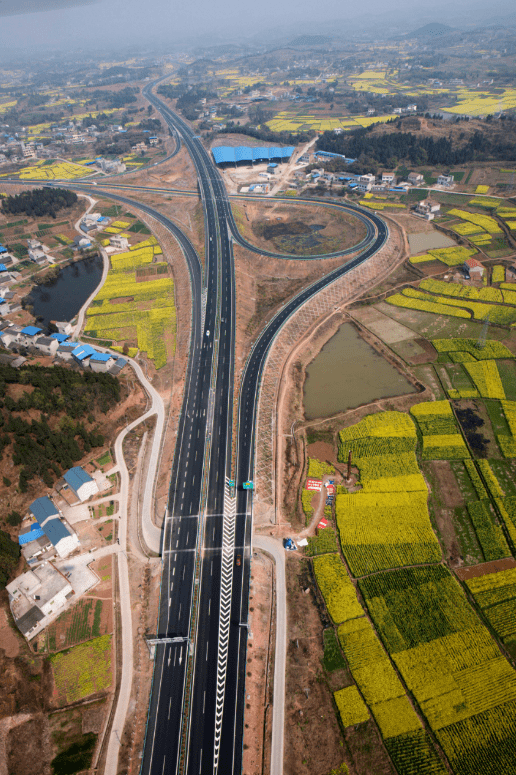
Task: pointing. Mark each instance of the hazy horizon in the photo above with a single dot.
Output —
(118, 24)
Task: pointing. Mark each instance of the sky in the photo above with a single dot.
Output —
(111, 24)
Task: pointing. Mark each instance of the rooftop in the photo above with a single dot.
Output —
(83, 351)
(76, 476)
(101, 357)
(60, 337)
(227, 154)
(31, 330)
(55, 530)
(33, 533)
(42, 509)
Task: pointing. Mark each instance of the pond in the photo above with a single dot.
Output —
(348, 372)
(63, 297)
(430, 240)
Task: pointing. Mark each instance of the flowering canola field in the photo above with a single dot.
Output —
(387, 523)
(127, 307)
(464, 687)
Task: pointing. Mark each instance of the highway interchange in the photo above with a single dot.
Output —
(209, 737)
(196, 713)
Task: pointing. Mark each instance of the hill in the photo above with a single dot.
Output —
(431, 30)
(311, 40)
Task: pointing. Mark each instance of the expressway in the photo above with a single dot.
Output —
(213, 732)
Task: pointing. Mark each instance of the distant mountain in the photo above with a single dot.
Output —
(432, 30)
(311, 40)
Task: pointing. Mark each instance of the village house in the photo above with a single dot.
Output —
(47, 345)
(35, 545)
(48, 517)
(81, 483)
(415, 179)
(428, 209)
(473, 269)
(37, 595)
(119, 242)
(101, 362)
(445, 180)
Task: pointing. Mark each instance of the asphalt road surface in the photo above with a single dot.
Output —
(214, 707)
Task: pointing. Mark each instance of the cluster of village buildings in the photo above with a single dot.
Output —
(30, 340)
(16, 148)
(49, 545)
(362, 184)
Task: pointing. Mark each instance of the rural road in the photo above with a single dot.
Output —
(274, 547)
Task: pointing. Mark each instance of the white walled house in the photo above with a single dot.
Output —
(47, 345)
(81, 483)
(119, 242)
(101, 362)
(428, 208)
(37, 595)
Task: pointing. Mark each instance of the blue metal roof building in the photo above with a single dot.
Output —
(43, 508)
(31, 330)
(76, 476)
(55, 530)
(101, 357)
(60, 337)
(224, 154)
(328, 155)
(2, 249)
(83, 351)
(3, 268)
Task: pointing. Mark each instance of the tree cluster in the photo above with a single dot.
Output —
(42, 450)
(263, 133)
(389, 148)
(9, 556)
(39, 202)
(114, 99)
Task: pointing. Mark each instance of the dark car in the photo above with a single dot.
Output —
(239, 560)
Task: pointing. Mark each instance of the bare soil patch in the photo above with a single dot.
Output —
(29, 748)
(8, 641)
(300, 229)
(485, 568)
(446, 483)
(178, 172)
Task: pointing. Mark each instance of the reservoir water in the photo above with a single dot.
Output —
(429, 240)
(63, 297)
(348, 372)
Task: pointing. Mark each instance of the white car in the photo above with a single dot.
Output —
(208, 332)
